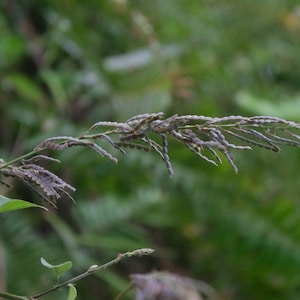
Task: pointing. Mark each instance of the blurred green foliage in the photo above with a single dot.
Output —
(67, 64)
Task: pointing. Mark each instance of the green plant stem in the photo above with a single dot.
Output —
(9, 296)
(91, 270)
(19, 158)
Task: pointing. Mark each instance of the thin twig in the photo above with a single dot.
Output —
(93, 269)
(20, 158)
(10, 296)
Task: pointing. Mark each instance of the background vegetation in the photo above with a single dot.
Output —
(65, 65)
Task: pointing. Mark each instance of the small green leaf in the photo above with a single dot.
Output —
(58, 269)
(7, 204)
(72, 292)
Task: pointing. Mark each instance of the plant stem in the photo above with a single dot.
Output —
(91, 270)
(13, 297)
(19, 158)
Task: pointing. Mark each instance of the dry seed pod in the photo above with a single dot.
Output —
(168, 286)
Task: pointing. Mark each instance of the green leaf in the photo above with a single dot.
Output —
(72, 292)
(284, 108)
(7, 204)
(58, 269)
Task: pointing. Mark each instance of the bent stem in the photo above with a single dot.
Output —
(91, 270)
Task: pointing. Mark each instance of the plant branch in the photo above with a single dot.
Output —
(91, 270)
(20, 158)
(9, 296)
